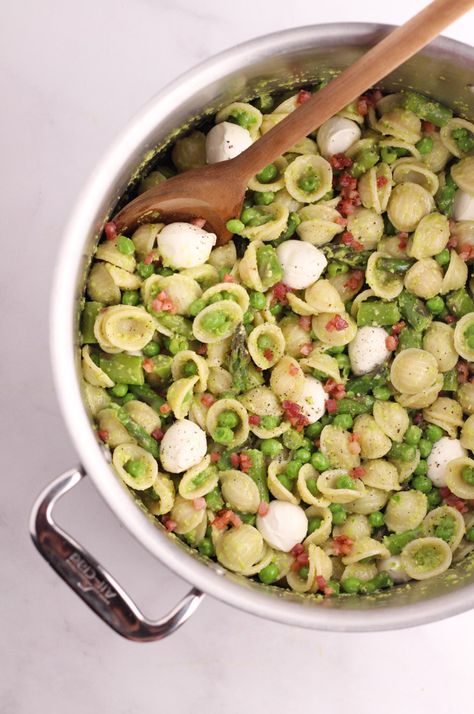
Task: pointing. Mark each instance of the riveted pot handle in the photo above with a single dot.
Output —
(90, 580)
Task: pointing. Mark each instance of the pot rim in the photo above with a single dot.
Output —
(64, 304)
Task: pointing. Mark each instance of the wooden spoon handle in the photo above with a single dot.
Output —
(379, 61)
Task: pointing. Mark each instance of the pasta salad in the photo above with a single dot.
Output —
(298, 403)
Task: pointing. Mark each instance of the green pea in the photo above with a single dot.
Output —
(303, 455)
(314, 524)
(285, 481)
(248, 518)
(344, 363)
(334, 586)
(312, 486)
(264, 342)
(292, 468)
(425, 145)
(165, 272)
(434, 498)
(339, 515)
(119, 390)
(351, 585)
(309, 182)
(382, 580)
(235, 226)
(345, 482)
(425, 447)
(468, 475)
(303, 572)
(422, 483)
(145, 270)
(217, 297)
(177, 344)
(413, 435)
(248, 318)
(196, 307)
(257, 300)
(206, 547)
(214, 321)
(435, 305)
(136, 468)
(433, 433)
(270, 422)
(151, 349)
(313, 430)
(344, 421)
(334, 268)
(376, 519)
(319, 461)
(264, 198)
(130, 297)
(267, 174)
(129, 397)
(269, 574)
(445, 528)
(292, 439)
(276, 309)
(125, 245)
(388, 156)
(190, 368)
(470, 534)
(223, 435)
(443, 258)
(228, 418)
(382, 393)
(271, 447)
(402, 452)
(421, 468)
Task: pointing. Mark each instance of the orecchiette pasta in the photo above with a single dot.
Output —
(297, 403)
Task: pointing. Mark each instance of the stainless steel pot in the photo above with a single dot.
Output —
(282, 60)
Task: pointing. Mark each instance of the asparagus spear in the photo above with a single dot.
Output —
(395, 265)
(144, 439)
(414, 311)
(346, 256)
(258, 472)
(365, 384)
(148, 395)
(396, 542)
(89, 314)
(355, 405)
(239, 359)
(459, 302)
(377, 313)
(409, 338)
(123, 368)
(269, 267)
(445, 196)
(427, 109)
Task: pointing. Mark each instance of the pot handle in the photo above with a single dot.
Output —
(81, 571)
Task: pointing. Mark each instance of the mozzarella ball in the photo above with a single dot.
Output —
(463, 206)
(336, 135)
(313, 399)
(183, 445)
(226, 140)
(182, 245)
(392, 565)
(368, 349)
(283, 526)
(302, 263)
(443, 451)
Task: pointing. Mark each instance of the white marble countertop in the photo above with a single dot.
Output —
(64, 65)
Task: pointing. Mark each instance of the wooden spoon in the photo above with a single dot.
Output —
(216, 192)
